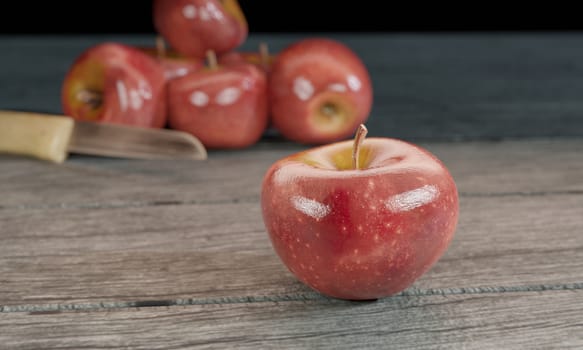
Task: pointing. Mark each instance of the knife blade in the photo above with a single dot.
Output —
(52, 137)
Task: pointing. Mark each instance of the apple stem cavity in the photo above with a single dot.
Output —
(361, 132)
(211, 58)
(92, 98)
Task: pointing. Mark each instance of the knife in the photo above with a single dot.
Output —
(52, 137)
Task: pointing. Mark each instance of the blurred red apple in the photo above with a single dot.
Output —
(192, 27)
(223, 106)
(360, 227)
(115, 83)
(319, 91)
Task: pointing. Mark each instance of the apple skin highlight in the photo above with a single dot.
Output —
(225, 107)
(192, 27)
(115, 83)
(360, 234)
(319, 91)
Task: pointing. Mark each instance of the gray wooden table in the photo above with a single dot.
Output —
(110, 253)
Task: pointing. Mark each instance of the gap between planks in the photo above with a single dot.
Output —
(307, 296)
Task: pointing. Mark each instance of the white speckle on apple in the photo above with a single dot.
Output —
(376, 238)
(136, 100)
(246, 84)
(122, 95)
(204, 14)
(303, 88)
(353, 82)
(179, 72)
(371, 184)
(145, 90)
(338, 87)
(412, 199)
(189, 11)
(228, 96)
(199, 98)
(310, 207)
(214, 11)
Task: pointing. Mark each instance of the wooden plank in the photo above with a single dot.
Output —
(92, 181)
(447, 86)
(548, 320)
(204, 251)
(479, 168)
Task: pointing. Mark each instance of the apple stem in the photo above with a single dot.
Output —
(160, 46)
(211, 57)
(92, 98)
(264, 53)
(358, 139)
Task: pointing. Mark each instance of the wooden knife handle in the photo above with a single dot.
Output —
(36, 135)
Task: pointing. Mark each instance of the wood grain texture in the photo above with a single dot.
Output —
(107, 253)
(479, 168)
(438, 87)
(222, 250)
(533, 321)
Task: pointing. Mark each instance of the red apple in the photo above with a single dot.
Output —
(319, 91)
(262, 57)
(360, 232)
(223, 106)
(115, 83)
(193, 27)
(175, 64)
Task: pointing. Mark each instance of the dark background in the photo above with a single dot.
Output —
(108, 16)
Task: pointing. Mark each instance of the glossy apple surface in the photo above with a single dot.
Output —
(115, 83)
(319, 91)
(193, 27)
(360, 234)
(225, 106)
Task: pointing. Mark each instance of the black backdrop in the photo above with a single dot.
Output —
(119, 16)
